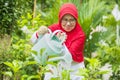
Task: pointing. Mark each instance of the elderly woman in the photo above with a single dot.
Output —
(75, 39)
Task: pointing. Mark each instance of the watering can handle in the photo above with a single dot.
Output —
(49, 31)
(53, 34)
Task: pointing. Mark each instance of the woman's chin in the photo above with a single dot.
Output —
(67, 30)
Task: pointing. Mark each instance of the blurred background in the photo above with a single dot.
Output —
(100, 20)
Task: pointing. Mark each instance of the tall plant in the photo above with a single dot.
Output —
(51, 15)
(90, 15)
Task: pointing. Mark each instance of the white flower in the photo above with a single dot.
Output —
(6, 4)
(108, 67)
(94, 54)
(102, 42)
(116, 13)
(104, 17)
(99, 28)
(25, 29)
(90, 36)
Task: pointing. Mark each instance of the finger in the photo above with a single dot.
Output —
(58, 34)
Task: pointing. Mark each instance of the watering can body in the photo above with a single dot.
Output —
(50, 42)
(66, 56)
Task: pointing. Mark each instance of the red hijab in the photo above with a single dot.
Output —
(74, 46)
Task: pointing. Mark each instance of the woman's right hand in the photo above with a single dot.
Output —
(42, 30)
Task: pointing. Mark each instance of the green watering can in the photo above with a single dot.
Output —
(53, 46)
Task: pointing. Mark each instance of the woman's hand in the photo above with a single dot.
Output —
(61, 36)
(42, 30)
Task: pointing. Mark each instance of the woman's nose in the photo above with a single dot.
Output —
(68, 23)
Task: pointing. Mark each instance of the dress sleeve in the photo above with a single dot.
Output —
(53, 27)
(34, 37)
(76, 49)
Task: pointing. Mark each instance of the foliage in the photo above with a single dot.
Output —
(51, 15)
(40, 57)
(110, 53)
(5, 43)
(109, 21)
(66, 75)
(89, 17)
(111, 3)
(15, 70)
(92, 70)
(30, 23)
(10, 10)
(15, 58)
(44, 5)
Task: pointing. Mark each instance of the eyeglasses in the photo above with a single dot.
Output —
(72, 21)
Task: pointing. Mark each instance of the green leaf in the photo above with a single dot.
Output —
(15, 65)
(66, 75)
(33, 77)
(8, 73)
(8, 64)
(29, 63)
(24, 77)
(101, 72)
(83, 72)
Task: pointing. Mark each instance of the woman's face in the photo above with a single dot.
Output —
(68, 22)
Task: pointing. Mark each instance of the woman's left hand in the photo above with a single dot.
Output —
(61, 36)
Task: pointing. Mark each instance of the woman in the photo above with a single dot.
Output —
(75, 39)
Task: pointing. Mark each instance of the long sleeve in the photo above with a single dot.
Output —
(76, 48)
(34, 38)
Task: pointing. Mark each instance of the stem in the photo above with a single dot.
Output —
(34, 9)
(117, 36)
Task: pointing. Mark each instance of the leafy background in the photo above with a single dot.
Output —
(20, 18)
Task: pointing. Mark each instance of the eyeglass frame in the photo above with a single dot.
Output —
(65, 21)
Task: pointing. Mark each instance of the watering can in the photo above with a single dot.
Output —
(53, 46)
